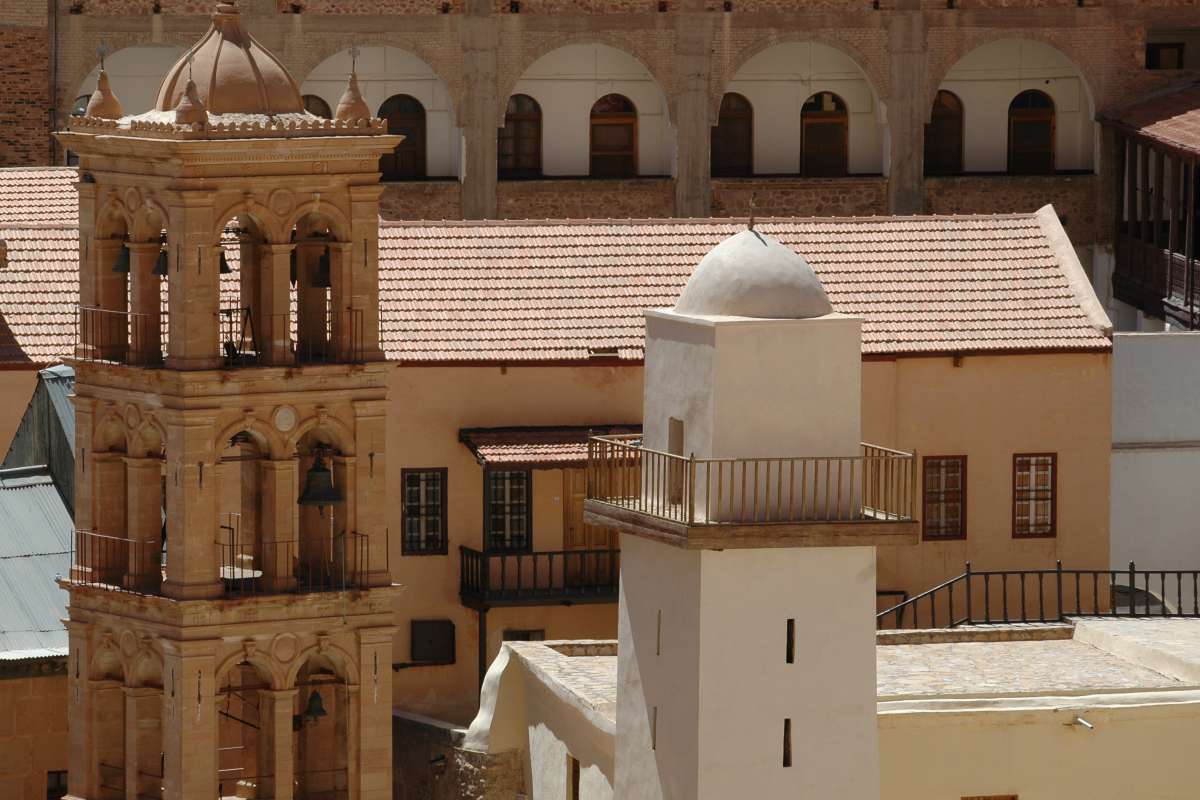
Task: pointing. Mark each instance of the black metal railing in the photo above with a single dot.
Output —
(538, 577)
(1005, 597)
(117, 337)
(325, 336)
(113, 562)
(330, 563)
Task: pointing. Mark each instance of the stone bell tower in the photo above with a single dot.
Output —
(749, 512)
(230, 599)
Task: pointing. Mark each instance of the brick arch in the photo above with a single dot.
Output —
(87, 44)
(448, 71)
(876, 75)
(663, 74)
(970, 40)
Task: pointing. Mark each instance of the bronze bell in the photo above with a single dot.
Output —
(316, 707)
(225, 269)
(318, 486)
(122, 264)
(292, 267)
(321, 277)
(160, 264)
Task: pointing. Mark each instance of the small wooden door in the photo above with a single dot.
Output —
(591, 569)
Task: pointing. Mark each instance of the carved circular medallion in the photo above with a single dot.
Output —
(284, 418)
(133, 417)
(129, 644)
(319, 167)
(285, 647)
(281, 201)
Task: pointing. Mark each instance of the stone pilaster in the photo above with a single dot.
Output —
(370, 425)
(276, 717)
(690, 118)
(273, 324)
(194, 284)
(81, 734)
(190, 720)
(907, 111)
(145, 337)
(279, 492)
(481, 121)
(143, 738)
(192, 485)
(364, 212)
(371, 704)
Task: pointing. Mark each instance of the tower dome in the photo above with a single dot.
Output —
(234, 74)
(752, 275)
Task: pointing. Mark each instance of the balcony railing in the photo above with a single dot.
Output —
(1005, 597)
(323, 337)
(548, 577)
(877, 485)
(117, 337)
(329, 563)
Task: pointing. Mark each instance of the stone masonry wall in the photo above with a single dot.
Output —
(429, 763)
(583, 198)
(1073, 196)
(799, 197)
(432, 200)
(24, 96)
(33, 734)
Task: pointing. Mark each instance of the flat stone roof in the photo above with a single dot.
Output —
(585, 670)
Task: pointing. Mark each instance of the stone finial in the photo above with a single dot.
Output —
(103, 103)
(191, 108)
(352, 107)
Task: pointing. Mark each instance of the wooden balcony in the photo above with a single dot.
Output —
(718, 503)
(538, 578)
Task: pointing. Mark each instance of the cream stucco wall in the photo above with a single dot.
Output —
(987, 409)
(989, 77)
(135, 74)
(16, 390)
(568, 81)
(387, 71)
(778, 80)
(428, 407)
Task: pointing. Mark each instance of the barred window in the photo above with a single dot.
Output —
(508, 501)
(424, 511)
(1035, 483)
(945, 497)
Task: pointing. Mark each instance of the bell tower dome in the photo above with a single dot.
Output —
(231, 605)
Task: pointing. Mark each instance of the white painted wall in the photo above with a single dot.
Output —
(568, 81)
(778, 80)
(1156, 450)
(989, 77)
(387, 71)
(135, 74)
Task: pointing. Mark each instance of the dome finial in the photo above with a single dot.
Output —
(351, 107)
(103, 103)
(190, 110)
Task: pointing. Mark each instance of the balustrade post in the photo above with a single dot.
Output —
(967, 573)
(1058, 576)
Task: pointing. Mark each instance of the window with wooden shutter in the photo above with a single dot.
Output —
(733, 138)
(509, 497)
(824, 136)
(1035, 490)
(613, 138)
(1031, 134)
(944, 497)
(405, 116)
(519, 147)
(423, 513)
(944, 136)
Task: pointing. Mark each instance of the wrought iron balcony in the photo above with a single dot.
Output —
(729, 502)
(538, 578)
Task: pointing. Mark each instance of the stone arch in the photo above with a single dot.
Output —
(111, 216)
(148, 440)
(149, 220)
(340, 222)
(448, 71)
(877, 77)
(108, 663)
(271, 442)
(663, 76)
(338, 431)
(266, 666)
(336, 655)
(146, 668)
(110, 434)
(268, 222)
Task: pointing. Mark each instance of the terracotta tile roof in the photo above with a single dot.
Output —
(40, 274)
(1171, 117)
(39, 194)
(566, 290)
(534, 448)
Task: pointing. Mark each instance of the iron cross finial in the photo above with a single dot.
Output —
(354, 58)
(102, 51)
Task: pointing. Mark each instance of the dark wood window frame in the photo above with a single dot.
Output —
(928, 533)
(839, 116)
(425, 636)
(56, 784)
(443, 484)
(503, 542)
(626, 119)
(1155, 50)
(1018, 116)
(729, 159)
(938, 136)
(1030, 494)
(389, 163)
(518, 125)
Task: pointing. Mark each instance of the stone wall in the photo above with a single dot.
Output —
(799, 197)
(433, 200)
(1074, 198)
(24, 96)
(583, 198)
(429, 763)
(33, 731)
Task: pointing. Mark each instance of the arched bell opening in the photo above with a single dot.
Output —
(146, 285)
(107, 695)
(102, 548)
(102, 331)
(245, 735)
(241, 313)
(242, 503)
(330, 553)
(326, 328)
(320, 725)
(144, 736)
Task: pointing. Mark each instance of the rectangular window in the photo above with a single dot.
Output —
(56, 784)
(508, 497)
(1035, 482)
(431, 641)
(1164, 55)
(424, 512)
(945, 497)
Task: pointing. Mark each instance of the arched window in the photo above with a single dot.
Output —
(1031, 134)
(614, 138)
(317, 106)
(944, 136)
(520, 144)
(824, 133)
(733, 138)
(404, 115)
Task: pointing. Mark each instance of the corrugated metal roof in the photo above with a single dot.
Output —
(60, 382)
(35, 544)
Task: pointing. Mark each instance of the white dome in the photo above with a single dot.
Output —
(752, 275)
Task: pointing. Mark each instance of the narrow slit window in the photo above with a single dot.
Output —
(787, 742)
(654, 728)
(658, 636)
(791, 641)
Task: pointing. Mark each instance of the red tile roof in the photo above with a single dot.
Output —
(1171, 118)
(535, 448)
(513, 291)
(40, 274)
(38, 194)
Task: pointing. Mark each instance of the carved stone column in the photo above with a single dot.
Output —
(145, 295)
(276, 747)
(107, 554)
(280, 550)
(143, 493)
(190, 720)
(274, 324)
(143, 738)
